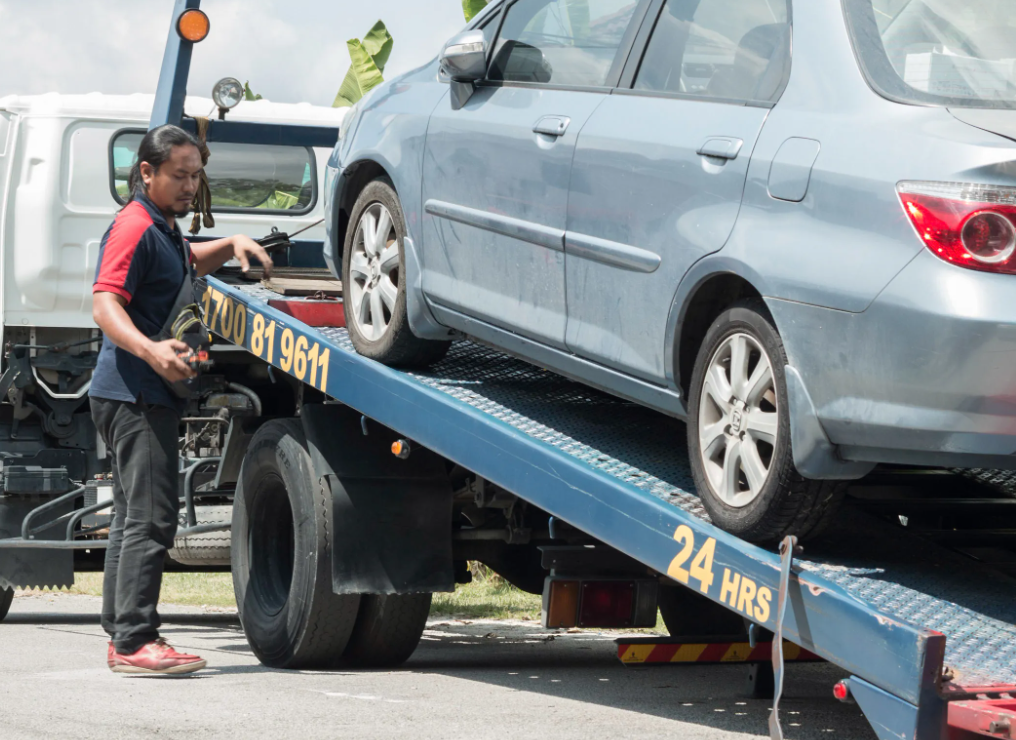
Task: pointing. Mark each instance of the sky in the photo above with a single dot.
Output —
(291, 50)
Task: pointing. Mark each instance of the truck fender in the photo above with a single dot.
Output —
(392, 516)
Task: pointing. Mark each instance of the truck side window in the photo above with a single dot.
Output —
(241, 176)
(731, 49)
(561, 42)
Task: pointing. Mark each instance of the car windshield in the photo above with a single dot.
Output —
(939, 52)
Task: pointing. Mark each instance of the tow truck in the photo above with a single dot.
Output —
(359, 490)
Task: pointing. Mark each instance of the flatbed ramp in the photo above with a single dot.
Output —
(917, 626)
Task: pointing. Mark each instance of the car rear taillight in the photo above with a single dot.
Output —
(969, 225)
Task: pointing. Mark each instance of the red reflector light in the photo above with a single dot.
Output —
(607, 604)
(973, 226)
(841, 691)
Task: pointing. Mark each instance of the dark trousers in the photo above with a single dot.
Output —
(142, 442)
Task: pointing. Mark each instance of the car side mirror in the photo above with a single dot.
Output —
(464, 60)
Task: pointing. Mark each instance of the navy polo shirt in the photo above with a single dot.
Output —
(142, 259)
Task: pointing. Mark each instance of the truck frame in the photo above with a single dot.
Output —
(363, 489)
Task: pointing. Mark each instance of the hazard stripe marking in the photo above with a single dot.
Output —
(720, 652)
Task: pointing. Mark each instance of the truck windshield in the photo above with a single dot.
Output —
(937, 52)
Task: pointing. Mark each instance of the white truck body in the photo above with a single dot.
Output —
(56, 199)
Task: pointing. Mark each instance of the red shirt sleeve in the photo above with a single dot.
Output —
(119, 249)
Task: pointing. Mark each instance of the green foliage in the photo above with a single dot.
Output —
(280, 201)
(470, 8)
(369, 57)
(249, 94)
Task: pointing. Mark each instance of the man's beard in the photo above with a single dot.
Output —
(181, 214)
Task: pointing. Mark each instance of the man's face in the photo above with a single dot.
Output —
(172, 187)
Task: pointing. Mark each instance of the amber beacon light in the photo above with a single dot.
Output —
(193, 25)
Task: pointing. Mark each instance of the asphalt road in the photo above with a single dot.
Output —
(472, 680)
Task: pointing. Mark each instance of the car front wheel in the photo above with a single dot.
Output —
(374, 283)
(739, 433)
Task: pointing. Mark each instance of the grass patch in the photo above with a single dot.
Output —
(185, 589)
(486, 600)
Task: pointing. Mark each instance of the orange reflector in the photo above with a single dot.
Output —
(397, 448)
(193, 25)
(563, 604)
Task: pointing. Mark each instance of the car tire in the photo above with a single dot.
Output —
(387, 631)
(6, 599)
(739, 433)
(288, 610)
(374, 283)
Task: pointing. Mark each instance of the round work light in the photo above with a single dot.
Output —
(227, 93)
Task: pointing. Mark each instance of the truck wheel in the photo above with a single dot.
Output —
(387, 630)
(688, 614)
(7, 597)
(210, 548)
(281, 555)
(374, 283)
(739, 433)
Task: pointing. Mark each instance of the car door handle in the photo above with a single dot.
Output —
(721, 147)
(552, 125)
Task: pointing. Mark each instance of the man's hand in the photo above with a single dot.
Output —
(164, 357)
(244, 248)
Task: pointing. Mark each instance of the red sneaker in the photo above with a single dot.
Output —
(156, 657)
(109, 655)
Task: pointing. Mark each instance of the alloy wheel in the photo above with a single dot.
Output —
(374, 272)
(738, 420)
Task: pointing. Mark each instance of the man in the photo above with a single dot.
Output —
(143, 262)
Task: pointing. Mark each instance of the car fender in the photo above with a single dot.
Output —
(708, 267)
(391, 134)
(815, 457)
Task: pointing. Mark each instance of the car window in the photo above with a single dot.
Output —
(561, 42)
(240, 176)
(734, 49)
(961, 54)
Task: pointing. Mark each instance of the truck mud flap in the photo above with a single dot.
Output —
(32, 568)
(392, 516)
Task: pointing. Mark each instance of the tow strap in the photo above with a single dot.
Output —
(202, 204)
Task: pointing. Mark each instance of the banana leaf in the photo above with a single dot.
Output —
(378, 43)
(249, 94)
(470, 8)
(578, 16)
(281, 201)
(369, 58)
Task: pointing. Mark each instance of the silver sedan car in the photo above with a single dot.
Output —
(790, 222)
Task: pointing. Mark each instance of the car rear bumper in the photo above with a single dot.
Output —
(925, 376)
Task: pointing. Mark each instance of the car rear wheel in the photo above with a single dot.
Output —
(739, 433)
(374, 283)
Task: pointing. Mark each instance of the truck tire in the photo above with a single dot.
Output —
(210, 548)
(374, 282)
(739, 433)
(281, 555)
(688, 614)
(387, 631)
(7, 597)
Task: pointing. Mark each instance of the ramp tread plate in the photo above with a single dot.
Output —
(914, 581)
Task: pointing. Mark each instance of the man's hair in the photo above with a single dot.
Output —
(156, 147)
